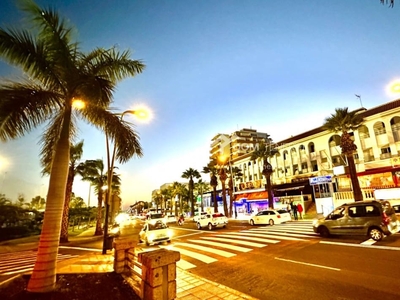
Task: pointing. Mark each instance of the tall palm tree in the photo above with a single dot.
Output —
(94, 172)
(390, 2)
(344, 121)
(57, 73)
(190, 174)
(178, 189)
(212, 170)
(75, 154)
(264, 151)
(234, 172)
(201, 187)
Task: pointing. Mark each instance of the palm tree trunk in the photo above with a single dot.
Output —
(99, 230)
(270, 194)
(224, 198)
(191, 196)
(65, 217)
(43, 276)
(358, 196)
(215, 199)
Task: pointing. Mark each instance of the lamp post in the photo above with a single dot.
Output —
(110, 165)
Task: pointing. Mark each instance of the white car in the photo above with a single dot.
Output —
(270, 216)
(154, 233)
(197, 216)
(212, 221)
(154, 217)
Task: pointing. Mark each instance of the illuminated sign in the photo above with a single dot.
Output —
(320, 179)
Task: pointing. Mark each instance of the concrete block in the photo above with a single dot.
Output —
(171, 272)
(152, 293)
(159, 258)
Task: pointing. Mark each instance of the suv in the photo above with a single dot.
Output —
(212, 221)
(371, 218)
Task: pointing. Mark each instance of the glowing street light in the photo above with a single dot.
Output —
(393, 88)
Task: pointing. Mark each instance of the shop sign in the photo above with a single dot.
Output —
(320, 179)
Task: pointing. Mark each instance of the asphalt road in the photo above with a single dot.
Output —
(285, 261)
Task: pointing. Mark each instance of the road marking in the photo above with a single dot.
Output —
(80, 248)
(277, 236)
(369, 242)
(283, 233)
(207, 249)
(257, 245)
(361, 246)
(221, 245)
(204, 258)
(184, 265)
(258, 238)
(307, 264)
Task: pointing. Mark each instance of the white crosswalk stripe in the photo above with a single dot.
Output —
(21, 262)
(207, 249)
(222, 245)
(255, 237)
(235, 240)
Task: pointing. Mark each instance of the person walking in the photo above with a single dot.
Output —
(300, 210)
(294, 209)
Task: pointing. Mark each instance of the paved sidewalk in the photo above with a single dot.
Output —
(189, 286)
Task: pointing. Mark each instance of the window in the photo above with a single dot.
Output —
(357, 211)
(372, 211)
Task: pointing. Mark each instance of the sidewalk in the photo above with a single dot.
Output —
(189, 286)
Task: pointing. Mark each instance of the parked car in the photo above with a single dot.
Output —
(155, 232)
(270, 216)
(370, 218)
(197, 215)
(212, 221)
(396, 208)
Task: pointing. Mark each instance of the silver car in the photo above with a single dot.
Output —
(370, 218)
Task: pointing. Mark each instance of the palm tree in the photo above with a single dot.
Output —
(57, 74)
(234, 172)
(94, 172)
(344, 121)
(75, 154)
(201, 187)
(390, 2)
(189, 174)
(263, 152)
(212, 170)
(178, 189)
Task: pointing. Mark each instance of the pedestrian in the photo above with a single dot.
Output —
(294, 209)
(288, 209)
(300, 210)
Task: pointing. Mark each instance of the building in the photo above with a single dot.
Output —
(310, 165)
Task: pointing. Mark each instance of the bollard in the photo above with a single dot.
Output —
(159, 274)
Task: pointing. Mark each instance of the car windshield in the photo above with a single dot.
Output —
(282, 211)
(218, 215)
(157, 225)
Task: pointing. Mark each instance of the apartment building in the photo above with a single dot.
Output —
(315, 157)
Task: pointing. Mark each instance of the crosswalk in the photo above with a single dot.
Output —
(22, 262)
(197, 251)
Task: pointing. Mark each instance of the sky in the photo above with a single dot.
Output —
(216, 66)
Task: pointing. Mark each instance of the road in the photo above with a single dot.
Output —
(286, 261)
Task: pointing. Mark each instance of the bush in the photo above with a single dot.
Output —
(9, 233)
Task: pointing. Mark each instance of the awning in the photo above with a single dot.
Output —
(301, 187)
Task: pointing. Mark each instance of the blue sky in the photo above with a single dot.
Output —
(217, 66)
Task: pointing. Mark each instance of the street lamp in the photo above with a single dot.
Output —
(141, 114)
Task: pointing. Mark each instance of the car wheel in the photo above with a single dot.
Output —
(198, 226)
(252, 222)
(210, 227)
(271, 222)
(323, 231)
(375, 234)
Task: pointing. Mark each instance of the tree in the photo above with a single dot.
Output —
(94, 172)
(344, 121)
(390, 2)
(57, 73)
(178, 189)
(263, 152)
(234, 172)
(201, 187)
(212, 170)
(190, 174)
(75, 155)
